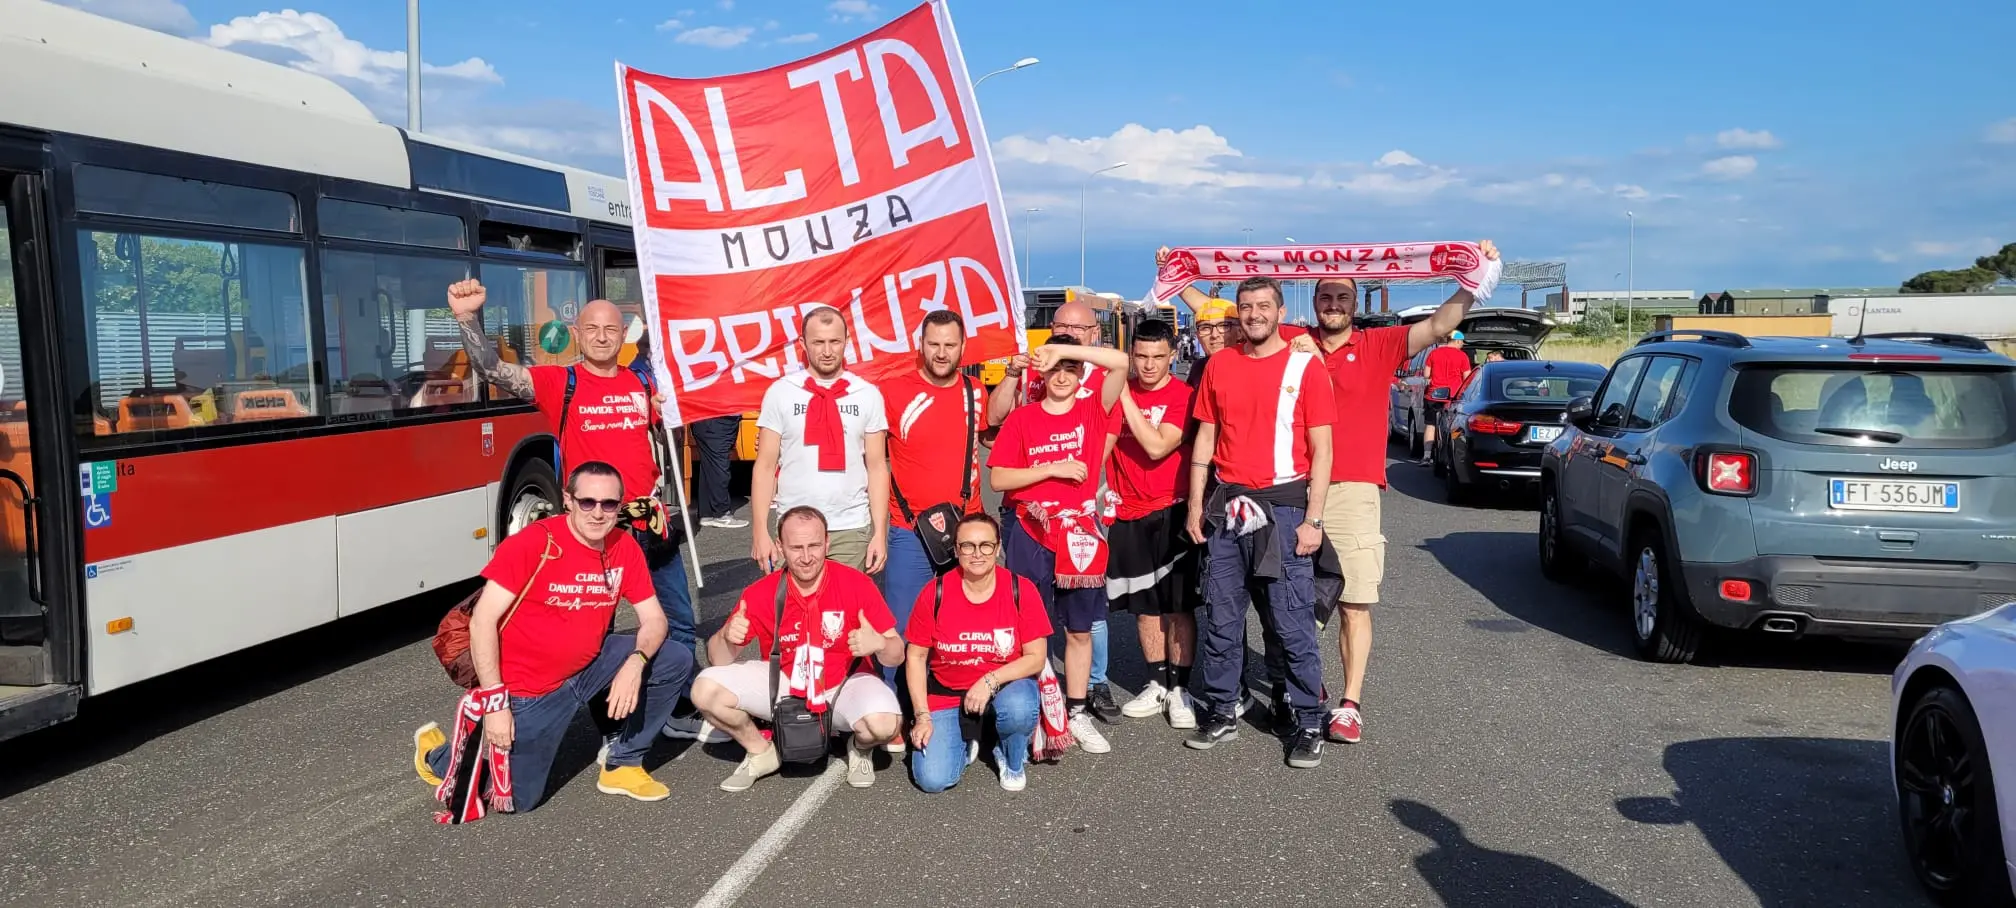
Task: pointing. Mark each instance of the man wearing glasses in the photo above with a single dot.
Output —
(1023, 387)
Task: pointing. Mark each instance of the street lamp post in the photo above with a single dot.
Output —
(1027, 241)
(413, 65)
(1630, 278)
(1082, 187)
(1023, 63)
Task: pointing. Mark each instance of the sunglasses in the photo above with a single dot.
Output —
(591, 505)
(978, 548)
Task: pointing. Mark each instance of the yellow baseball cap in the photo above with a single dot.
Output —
(1217, 310)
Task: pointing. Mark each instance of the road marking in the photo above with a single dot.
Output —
(750, 866)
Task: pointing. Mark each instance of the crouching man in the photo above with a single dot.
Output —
(541, 630)
(833, 620)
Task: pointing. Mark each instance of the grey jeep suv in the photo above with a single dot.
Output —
(1863, 487)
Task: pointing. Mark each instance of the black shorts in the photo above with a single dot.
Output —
(1151, 565)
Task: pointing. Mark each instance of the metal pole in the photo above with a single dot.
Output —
(1630, 276)
(1082, 187)
(412, 65)
(1027, 241)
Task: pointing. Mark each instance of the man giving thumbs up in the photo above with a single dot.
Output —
(825, 620)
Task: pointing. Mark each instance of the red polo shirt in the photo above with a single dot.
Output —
(1361, 373)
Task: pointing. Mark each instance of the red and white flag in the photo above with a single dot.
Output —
(858, 178)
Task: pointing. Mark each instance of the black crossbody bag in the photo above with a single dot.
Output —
(938, 526)
(799, 734)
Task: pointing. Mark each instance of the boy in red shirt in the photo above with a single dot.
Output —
(833, 622)
(1046, 461)
(1153, 568)
(551, 651)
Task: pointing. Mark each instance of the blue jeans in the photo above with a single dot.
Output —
(904, 578)
(1289, 602)
(668, 582)
(1098, 675)
(939, 765)
(539, 723)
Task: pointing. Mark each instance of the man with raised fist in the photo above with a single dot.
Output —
(830, 629)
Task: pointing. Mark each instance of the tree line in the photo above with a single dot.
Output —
(1988, 270)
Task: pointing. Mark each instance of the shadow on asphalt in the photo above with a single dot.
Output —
(1465, 874)
(110, 725)
(1784, 813)
(1504, 567)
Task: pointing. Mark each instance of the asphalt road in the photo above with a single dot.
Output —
(1515, 754)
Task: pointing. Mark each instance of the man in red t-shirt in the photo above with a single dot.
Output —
(539, 632)
(1263, 416)
(1362, 363)
(1446, 370)
(1153, 568)
(833, 622)
(1046, 463)
(936, 416)
(604, 412)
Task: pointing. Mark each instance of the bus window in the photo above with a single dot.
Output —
(380, 224)
(390, 332)
(531, 309)
(184, 333)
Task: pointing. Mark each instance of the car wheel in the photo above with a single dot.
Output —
(1946, 802)
(1662, 623)
(1558, 561)
(1453, 488)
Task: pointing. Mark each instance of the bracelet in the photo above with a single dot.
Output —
(642, 655)
(993, 686)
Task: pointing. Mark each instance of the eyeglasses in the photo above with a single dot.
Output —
(591, 505)
(978, 548)
(1061, 326)
(1212, 328)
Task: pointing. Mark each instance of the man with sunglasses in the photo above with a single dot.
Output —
(1023, 386)
(602, 412)
(551, 651)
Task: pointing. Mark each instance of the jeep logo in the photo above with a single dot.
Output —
(1892, 463)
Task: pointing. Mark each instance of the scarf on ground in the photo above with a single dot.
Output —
(1052, 737)
(478, 779)
(1078, 541)
(823, 428)
(1464, 263)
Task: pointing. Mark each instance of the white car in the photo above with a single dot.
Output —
(1953, 721)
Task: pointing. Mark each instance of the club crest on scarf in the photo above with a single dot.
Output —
(478, 779)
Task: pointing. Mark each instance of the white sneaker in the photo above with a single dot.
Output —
(696, 728)
(1146, 703)
(725, 522)
(860, 766)
(1087, 733)
(1182, 712)
(1014, 781)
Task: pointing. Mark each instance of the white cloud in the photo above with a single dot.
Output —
(1955, 249)
(800, 38)
(159, 15)
(1733, 167)
(771, 25)
(671, 25)
(684, 14)
(2003, 133)
(1397, 158)
(1741, 139)
(1631, 191)
(726, 4)
(715, 36)
(847, 10)
(313, 43)
(1161, 157)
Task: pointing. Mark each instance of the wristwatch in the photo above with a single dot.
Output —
(1316, 522)
(642, 655)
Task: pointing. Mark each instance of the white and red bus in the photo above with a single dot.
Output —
(233, 405)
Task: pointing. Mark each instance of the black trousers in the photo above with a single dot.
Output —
(714, 441)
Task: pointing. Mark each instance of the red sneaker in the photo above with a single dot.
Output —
(1346, 724)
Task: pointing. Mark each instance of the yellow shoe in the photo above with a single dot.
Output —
(632, 781)
(425, 739)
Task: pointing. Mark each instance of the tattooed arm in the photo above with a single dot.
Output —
(465, 299)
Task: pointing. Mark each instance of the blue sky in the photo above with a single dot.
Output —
(1763, 143)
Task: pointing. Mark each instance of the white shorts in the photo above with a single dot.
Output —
(860, 696)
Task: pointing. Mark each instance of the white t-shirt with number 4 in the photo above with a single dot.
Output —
(843, 495)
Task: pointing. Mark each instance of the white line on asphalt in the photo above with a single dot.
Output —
(750, 866)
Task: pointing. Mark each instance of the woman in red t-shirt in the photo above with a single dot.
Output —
(978, 637)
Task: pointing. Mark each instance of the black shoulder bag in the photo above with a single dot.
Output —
(937, 527)
(799, 734)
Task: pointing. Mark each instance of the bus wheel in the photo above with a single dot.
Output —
(534, 496)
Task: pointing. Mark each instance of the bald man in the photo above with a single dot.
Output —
(600, 411)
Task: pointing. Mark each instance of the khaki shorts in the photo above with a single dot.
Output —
(1351, 520)
(860, 696)
(849, 547)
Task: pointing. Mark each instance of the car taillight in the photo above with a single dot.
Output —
(1736, 590)
(1486, 424)
(1728, 472)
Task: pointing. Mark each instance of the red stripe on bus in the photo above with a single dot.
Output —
(168, 500)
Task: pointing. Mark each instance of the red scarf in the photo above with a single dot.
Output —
(823, 428)
(473, 765)
(1077, 541)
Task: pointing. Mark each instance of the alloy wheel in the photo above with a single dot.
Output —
(1645, 593)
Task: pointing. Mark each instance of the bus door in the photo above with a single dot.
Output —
(39, 656)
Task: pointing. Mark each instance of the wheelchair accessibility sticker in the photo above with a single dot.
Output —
(97, 482)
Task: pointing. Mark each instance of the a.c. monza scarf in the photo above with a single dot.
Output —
(1465, 263)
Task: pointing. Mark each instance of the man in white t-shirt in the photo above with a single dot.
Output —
(821, 441)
